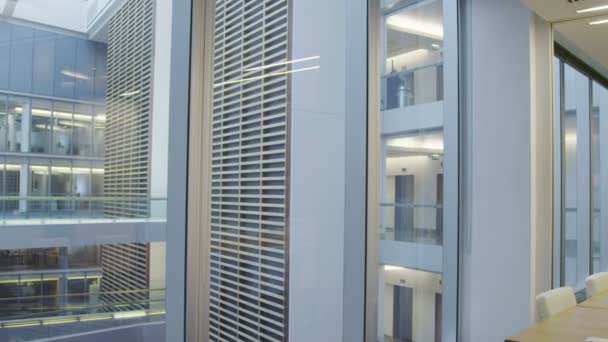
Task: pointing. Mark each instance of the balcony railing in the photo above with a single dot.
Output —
(47, 209)
(412, 87)
(93, 314)
(411, 222)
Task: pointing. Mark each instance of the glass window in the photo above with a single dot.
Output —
(62, 127)
(16, 108)
(83, 131)
(572, 80)
(411, 185)
(599, 97)
(39, 187)
(413, 69)
(87, 146)
(99, 131)
(41, 136)
(3, 123)
(581, 101)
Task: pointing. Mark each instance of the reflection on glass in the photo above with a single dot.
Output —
(62, 127)
(81, 187)
(100, 129)
(599, 95)
(83, 131)
(413, 71)
(61, 186)
(39, 187)
(3, 123)
(16, 107)
(40, 138)
(570, 170)
(9, 186)
(412, 204)
(412, 300)
(411, 207)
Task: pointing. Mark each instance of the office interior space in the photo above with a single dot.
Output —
(303, 170)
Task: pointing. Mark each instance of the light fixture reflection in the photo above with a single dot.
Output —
(593, 9)
(76, 75)
(599, 22)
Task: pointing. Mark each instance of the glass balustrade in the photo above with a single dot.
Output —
(45, 209)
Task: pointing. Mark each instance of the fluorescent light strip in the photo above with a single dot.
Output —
(118, 315)
(129, 314)
(284, 63)
(599, 22)
(21, 325)
(60, 321)
(265, 76)
(95, 318)
(593, 9)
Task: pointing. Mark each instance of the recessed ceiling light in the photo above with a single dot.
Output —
(593, 9)
(599, 22)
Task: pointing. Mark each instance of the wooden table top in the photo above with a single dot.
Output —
(573, 325)
(598, 302)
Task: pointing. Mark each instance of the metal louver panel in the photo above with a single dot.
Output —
(124, 274)
(248, 228)
(127, 147)
(127, 140)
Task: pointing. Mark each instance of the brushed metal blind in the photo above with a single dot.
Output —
(248, 238)
(129, 105)
(127, 146)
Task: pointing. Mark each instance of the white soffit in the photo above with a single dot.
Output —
(559, 10)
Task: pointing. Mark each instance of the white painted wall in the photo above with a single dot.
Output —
(319, 119)
(501, 232)
(411, 118)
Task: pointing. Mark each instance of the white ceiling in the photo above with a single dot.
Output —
(588, 42)
(572, 30)
(558, 10)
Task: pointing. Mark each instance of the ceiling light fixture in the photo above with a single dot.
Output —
(76, 75)
(416, 26)
(593, 9)
(599, 22)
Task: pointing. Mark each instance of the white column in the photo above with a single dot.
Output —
(24, 185)
(26, 120)
(12, 132)
(503, 122)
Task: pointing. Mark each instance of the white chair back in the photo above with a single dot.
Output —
(597, 283)
(555, 301)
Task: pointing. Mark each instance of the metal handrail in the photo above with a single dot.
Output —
(81, 294)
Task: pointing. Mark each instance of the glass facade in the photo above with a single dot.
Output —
(84, 169)
(580, 102)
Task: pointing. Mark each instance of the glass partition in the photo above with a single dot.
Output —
(3, 123)
(83, 131)
(412, 121)
(16, 107)
(582, 97)
(99, 130)
(89, 136)
(41, 137)
(62, 127)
